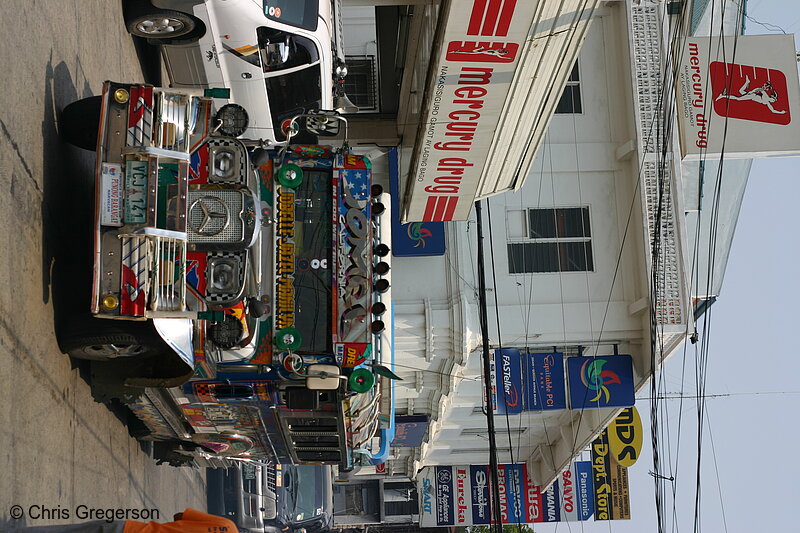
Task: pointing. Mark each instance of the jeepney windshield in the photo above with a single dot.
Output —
(313, 278)
(300, 13)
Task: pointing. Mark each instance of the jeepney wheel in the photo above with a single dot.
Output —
(290, 175)
(162, 24)
(80, 121)
(107, 340)
(288, 339)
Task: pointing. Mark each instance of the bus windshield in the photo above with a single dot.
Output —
(300, 13)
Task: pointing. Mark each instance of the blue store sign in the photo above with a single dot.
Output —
(601, 381)
(507, 395)
(417, 238)
(544, 382)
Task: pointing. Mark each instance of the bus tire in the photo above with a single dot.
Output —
(162, 24)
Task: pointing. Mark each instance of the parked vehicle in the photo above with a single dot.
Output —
(260, 272)
(305, 498)
(279, 58)
(147, 218)
(244, 493)
(306, 381)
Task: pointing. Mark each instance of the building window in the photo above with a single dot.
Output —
(360, 84)
(466, 451)
(570, 101)
(483, 432)
(553, 240)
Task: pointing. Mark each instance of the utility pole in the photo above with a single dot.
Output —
(484, 323)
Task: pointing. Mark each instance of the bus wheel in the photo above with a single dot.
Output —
(288, 339)
(290, 176)
(162, 24)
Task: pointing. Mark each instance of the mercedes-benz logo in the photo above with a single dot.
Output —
(212, 209)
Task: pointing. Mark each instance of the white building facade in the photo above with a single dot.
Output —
(592, 255)
(571, 259)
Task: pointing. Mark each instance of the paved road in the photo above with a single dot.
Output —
(58, 449)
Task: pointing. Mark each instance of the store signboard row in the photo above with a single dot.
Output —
(536, 381)
(461, 495)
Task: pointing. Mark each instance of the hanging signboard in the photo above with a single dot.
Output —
(739, 95)
(601, 381)
(625, 437)
(585, 489)
(601, 465)
(551, 508)
(611, 496)
(482, 45)
(461, 495)
(569, 495)
(544, 382)
(620, 497)
(410, 430)
(479, 486)
(507, 381)
(444, 496)
(416, 239)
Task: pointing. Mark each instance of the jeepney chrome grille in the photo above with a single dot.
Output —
(159, 264)
(268, 471)
(223, 230)
(171, 128)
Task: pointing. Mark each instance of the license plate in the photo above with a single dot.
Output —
(135, 192)
(111, 195)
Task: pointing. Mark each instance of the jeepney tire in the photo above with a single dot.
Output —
(80, 121)
(169, 452)
(183, 24)
(91, 339)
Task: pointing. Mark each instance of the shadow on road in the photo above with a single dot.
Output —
(67, 220)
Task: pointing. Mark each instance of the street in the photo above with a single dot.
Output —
(63, 455)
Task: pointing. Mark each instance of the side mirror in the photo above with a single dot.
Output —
(323, 377)
(323, 123)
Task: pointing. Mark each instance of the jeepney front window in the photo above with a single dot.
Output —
(313, 278)
(300, 13)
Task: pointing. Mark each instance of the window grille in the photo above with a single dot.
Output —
(550, 240)
(570, 101)
(360, 84)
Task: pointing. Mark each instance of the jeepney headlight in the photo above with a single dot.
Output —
(121, 96)
(224, 163)
(223, 275)
(109, 302)
(232, 120)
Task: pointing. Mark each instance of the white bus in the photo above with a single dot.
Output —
(279, 58)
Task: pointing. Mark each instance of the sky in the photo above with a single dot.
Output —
(749, 480)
